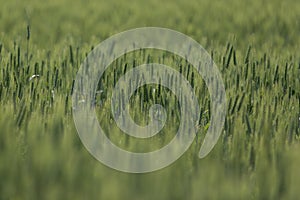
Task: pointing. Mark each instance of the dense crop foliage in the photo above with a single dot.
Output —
(256, 47)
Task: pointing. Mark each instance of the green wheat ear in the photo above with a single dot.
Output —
(206, 126)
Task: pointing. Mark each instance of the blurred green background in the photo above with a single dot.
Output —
(254, 43)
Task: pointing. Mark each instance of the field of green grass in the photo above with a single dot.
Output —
(255, 45)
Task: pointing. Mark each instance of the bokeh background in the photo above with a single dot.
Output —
(256, 45)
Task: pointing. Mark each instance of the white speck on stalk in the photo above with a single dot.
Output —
(34, 76)
(99, 91)
(53, 94)
(81, 101)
